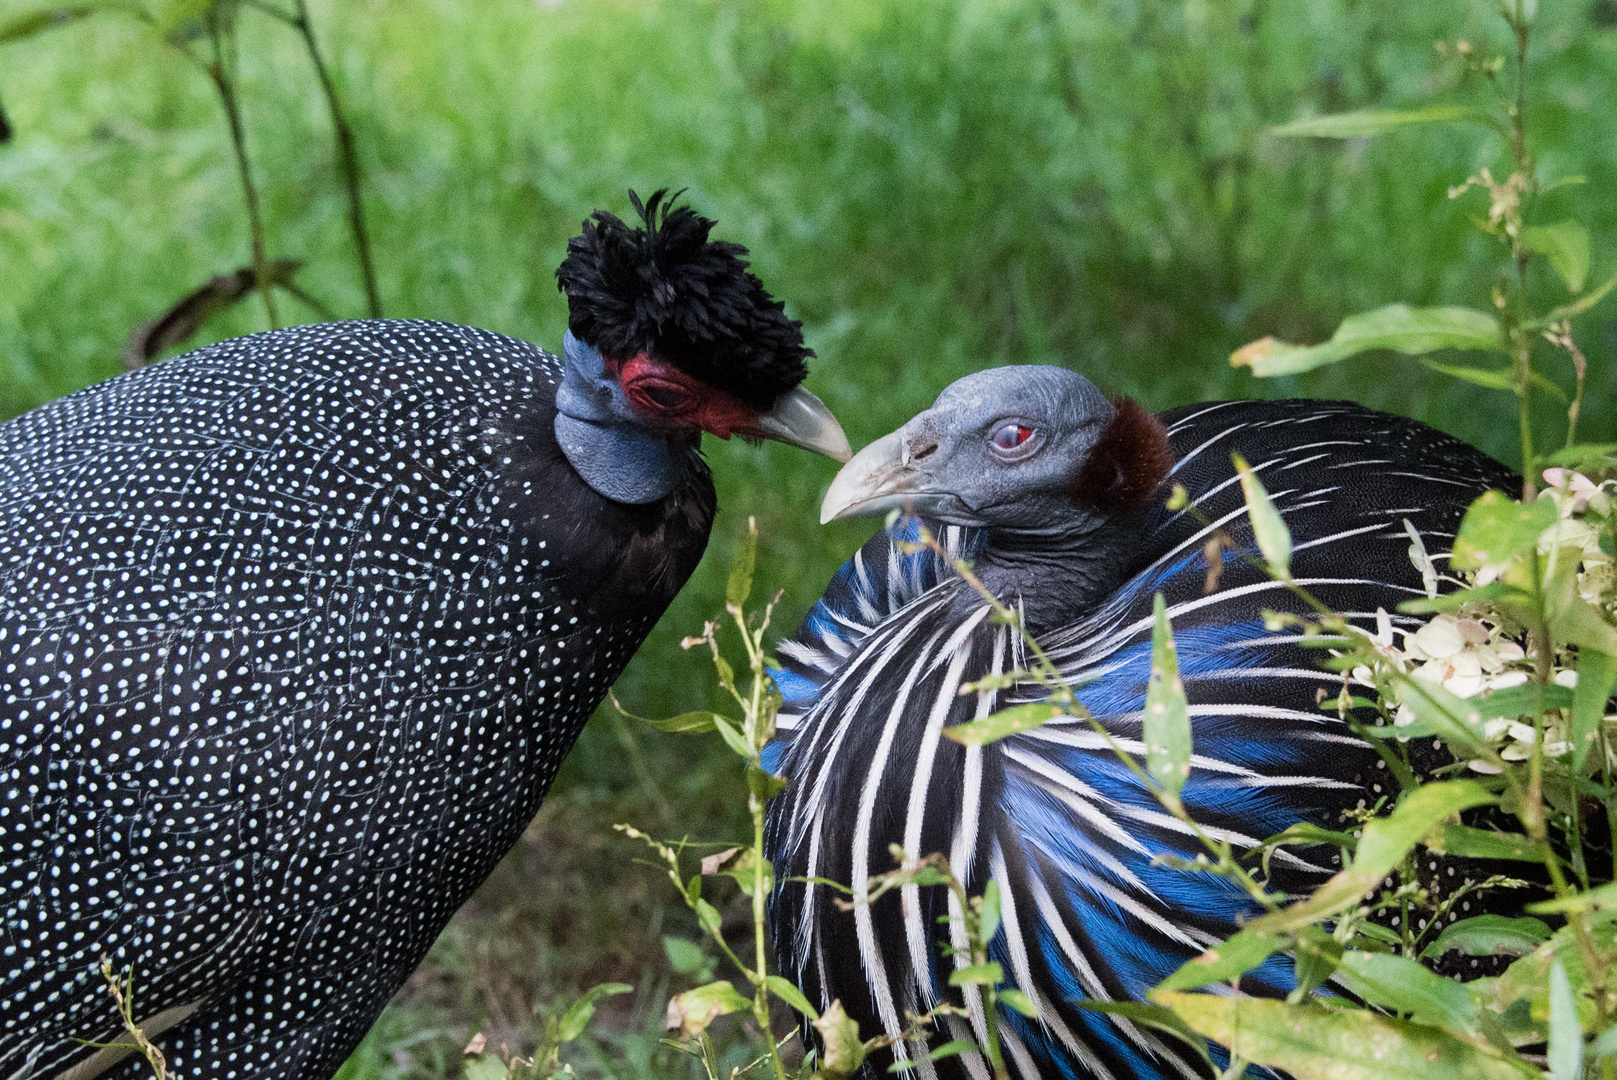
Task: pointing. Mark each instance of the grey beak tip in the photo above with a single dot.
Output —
(801, 419)
(868, 482)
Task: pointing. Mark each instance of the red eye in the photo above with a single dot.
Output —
(664, 395)
(1010, 436)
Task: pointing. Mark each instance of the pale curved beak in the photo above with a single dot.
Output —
(801, 419)
(881, 477)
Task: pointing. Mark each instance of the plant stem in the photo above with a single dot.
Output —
(1518, 127)
(1524, 399)
(224, 82)
(1521, 340)
(757, 734)
(760, 999)
(347, 158)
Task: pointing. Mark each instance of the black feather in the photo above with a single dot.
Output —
(666, 290)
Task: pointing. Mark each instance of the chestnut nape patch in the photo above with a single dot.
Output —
(1128, 463)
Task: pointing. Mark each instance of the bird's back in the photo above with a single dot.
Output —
(873, 677)
(294, 632)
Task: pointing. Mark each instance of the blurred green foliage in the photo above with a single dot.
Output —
(932, 188)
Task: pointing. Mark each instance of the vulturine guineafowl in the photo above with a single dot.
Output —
(295, 630)
(1057, 495)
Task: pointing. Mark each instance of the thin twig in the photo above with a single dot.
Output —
(347, 158)
(123, 998)
(224, 81)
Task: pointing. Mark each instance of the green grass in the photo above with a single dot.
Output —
(932, 188)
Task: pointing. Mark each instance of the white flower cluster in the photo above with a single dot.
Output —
(1585, 510)
(1471, 654)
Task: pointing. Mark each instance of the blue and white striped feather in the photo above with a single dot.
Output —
(873, 677)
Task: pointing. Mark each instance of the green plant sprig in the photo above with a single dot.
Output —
(759, 703)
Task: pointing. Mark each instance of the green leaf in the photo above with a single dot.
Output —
(988, 924)
(1492, 378)
(1469, 843)
(577, 1017)
(485, 1067)
(1364, 122)
(30, 23)
(686, 957)
(1344, 1044)
(1006, 722)
(1304, 832)
(843, 1050)
(1385, 841)
(748, 869)
(1376, 932)
(708, 916)
(1571, 617)
(733, 738)
(739, 587)
(1584, 457)
(785, 990)
(1167, 716)
(1020, 1002)
(1495, 592)
(1489, 935)
(1411, 331)
(1524, 700)
(1156, 1017)
(1438, 711)
(1606, 1045)
(1576, 307)
(1403, 985)
(1383, 844)
(1317, 955)
(1497, 528)
(1603, 898)
(1565, 1051)
(690, 723)
(1566, 245)
(764, 784)
(1268, 528)
(742, 864)
(1597, 677)
(989, 974)
(727, 675)
(1225, 962)
(1580, 622)
(691, 1012)
(937, 1053)
(184, 20)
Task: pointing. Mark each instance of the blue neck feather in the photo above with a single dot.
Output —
(613, 449)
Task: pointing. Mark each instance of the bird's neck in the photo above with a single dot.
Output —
(1056, 576)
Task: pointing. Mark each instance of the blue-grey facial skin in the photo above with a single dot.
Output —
(611, 447)
(945, 464)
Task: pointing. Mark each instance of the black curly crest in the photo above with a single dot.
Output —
(665, 289)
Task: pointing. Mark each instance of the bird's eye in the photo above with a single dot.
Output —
(664, 395)
(1011, 438)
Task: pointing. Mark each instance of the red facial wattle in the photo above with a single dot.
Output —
(665, 395)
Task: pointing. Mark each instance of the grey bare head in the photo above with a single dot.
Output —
(1034, 449)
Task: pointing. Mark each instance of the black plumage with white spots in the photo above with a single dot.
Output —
(294, 633)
